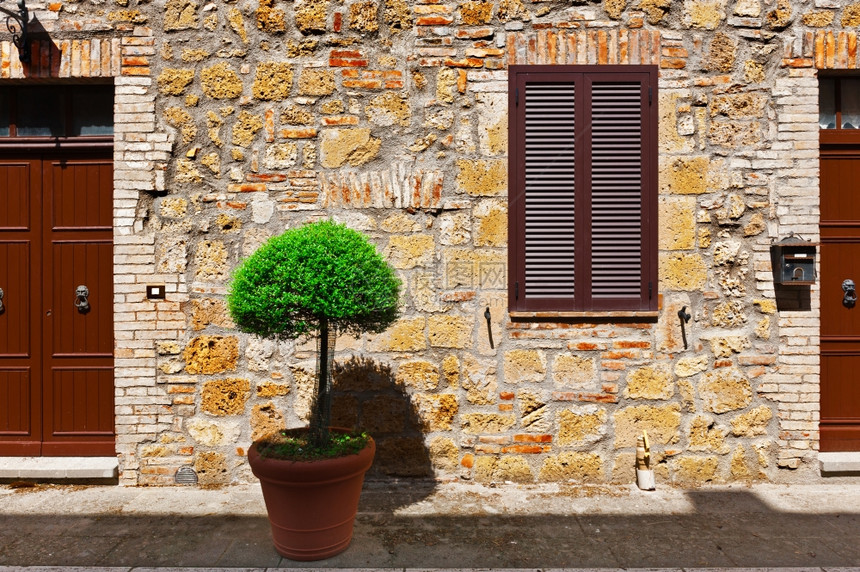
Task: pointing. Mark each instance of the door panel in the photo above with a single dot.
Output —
(20, 322)
(840, 323)
(56, 362)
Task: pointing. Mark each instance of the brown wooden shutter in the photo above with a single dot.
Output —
(582, 195)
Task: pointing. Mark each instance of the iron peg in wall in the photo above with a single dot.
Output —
(488, 316)
(684, 317)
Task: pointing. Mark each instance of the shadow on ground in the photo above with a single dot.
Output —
(725, 529)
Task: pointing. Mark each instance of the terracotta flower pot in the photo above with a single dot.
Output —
(312, 504)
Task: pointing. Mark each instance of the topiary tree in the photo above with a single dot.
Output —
(319, 280)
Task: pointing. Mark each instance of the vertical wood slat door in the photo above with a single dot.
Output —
(840, 323)
(70, 380)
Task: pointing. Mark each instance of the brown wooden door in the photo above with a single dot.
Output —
(840, 322)
(56, 353)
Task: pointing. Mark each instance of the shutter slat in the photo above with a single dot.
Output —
(549, 190)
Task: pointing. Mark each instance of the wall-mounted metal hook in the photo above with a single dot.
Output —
(684, 317)
(488, 316)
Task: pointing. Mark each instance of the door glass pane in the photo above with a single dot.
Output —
(850, 91)
(92, 111)
(4, 113)
(826, 103)
(41, 112)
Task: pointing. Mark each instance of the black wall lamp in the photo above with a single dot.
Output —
(16, 23)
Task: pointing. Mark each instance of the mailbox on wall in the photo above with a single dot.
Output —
(793, 261)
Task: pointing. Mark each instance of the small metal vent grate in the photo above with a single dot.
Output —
(185, 476)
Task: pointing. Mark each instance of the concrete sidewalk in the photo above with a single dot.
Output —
(443, 526)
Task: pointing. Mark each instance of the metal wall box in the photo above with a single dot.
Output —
(793, 261)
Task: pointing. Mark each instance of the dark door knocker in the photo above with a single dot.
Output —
(82, 303)
(850, 290)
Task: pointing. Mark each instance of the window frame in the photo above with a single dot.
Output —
(838, 135)
(583, 302)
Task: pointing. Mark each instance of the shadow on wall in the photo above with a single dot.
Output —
(367, 398)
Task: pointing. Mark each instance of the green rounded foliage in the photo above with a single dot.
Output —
(320, 272)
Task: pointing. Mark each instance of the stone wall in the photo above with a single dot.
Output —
(236, 120)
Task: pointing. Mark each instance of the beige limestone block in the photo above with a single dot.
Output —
(419, 374)
(405, 335)
(686, 272)
(490, 223)
(481, 423)
(655, 10)
(186, 172)
(424, 291)
(740, 469)
(311, 15)
(534, 413)
(400, 223)
(213, 433)
(386, 413)
(451, 371)
(677, 224)
(573, 466)
(581, 425)
(729, 314)
(353, 146)
(482, 177)
(685, 175)
(173, 207)
(316, 82)
(574, 371)
(725, 389)
(750, 8)
(739, 105)
(259, 353)
(525, 366)
(408, 251)
(690, 366)
(765, 306)
(221, 82)
(449, 331)
(173, 81)
(762, 328)
(266, 420)
(668, 331)
(211, 469)
(662, 423)
(756, 225)
(436, 411)
(704, 14)
(172, 256)
(614, 8)
(753, 422)
(479, 380)
(706, 436)
(246, 127)
(492, 109)
(725, 346)
(211, 354)
(670, 141)
(650, 382)
(454, 228)
(444, 454)
(304, 384)
(511, 468)
(446, 85)
(693, 471)
(269, 389)
(210, 311)
(280, 156)
(364, 16)
(389, 109)
(210, 260)
(254, 238)
(180, 15)
(721, 54)
(476, 13)
(225, 396)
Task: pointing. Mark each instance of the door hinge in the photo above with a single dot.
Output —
(517, 96)
(516, 290)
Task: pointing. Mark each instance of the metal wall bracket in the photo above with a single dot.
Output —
(16, 23)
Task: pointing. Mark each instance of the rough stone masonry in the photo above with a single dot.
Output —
(235, 120)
